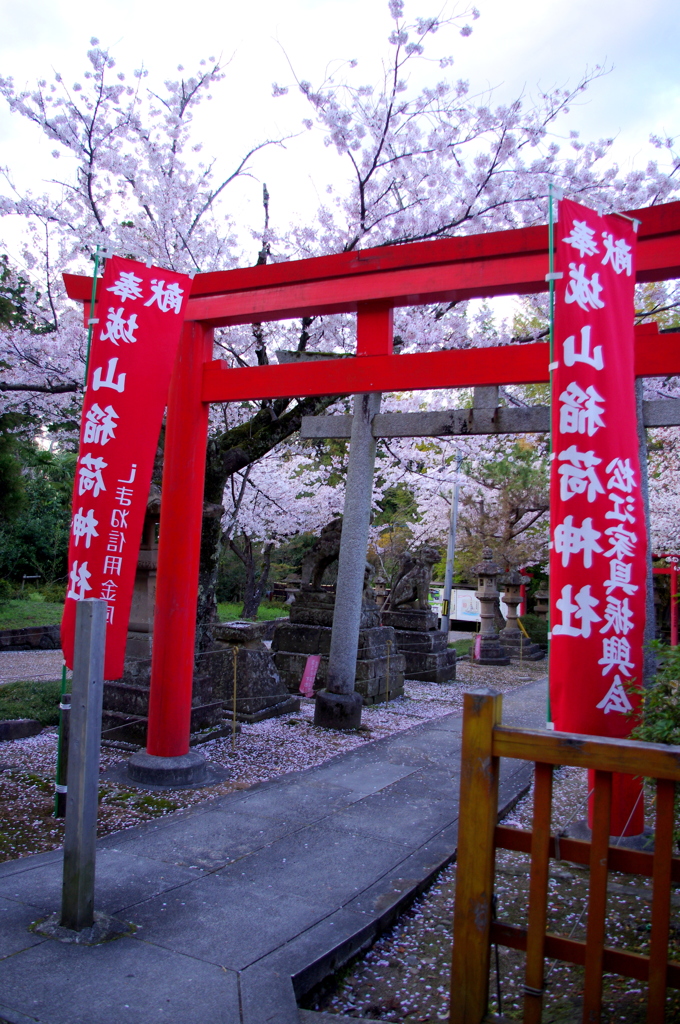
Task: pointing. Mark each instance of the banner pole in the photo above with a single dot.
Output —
(551, 299)
(62, 741)
(62, 751)
(93, 300)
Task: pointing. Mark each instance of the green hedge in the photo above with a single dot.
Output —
(31, 700)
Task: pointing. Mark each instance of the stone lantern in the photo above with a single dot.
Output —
(491, 651)
(380, 591)
(292, 586)
(542, 603)
(515, 643)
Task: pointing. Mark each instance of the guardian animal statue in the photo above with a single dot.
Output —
(412, 586)
(325, 551)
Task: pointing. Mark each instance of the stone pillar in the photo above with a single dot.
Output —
(339, 706)
(491, 651)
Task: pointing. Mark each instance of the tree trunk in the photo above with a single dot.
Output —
(255, 585)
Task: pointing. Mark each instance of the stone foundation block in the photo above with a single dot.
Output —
(422, 620)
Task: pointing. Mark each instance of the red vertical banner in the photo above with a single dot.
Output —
(139, 319)
(597, 520)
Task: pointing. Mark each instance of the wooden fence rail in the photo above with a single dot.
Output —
(485, 740)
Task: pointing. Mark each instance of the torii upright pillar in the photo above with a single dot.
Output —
(168, 759)
(339, 705)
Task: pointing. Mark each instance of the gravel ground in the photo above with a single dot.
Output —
(405, 976)
(16, 666)
(262, 751)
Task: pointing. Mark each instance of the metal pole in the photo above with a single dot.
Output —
(77, 900)
(649, 657)
(674, 606)
(62, 750)
(61, 785)
(450, 552)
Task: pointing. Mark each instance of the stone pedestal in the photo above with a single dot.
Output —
(379, 666)
(260, 692)
(514, 642)
(126, 706)
(424, 647)
(519, 648)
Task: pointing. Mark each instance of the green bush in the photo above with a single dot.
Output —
(31, 700)
(6, 591)
(54, 592)
(661, 718)
(536, 627)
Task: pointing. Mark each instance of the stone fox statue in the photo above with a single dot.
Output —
(412, 586)
(325, 551)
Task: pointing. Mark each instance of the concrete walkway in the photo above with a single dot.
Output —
(245, 902)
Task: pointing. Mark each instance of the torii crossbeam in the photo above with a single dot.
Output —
(372, 283)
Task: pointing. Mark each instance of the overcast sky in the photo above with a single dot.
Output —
(515, 46)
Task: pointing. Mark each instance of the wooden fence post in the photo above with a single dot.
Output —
(477, 820)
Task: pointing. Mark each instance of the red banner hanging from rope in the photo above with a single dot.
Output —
(139, 321)
(598, 537)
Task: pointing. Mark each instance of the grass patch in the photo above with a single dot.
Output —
(31, 700)
(463, 646)
(20, 614)
(228, 611)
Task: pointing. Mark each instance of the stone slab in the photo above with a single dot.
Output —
(19, 728)
(129, 981)
(226, 919)
(122, 880)
(205, 841)
(423, 620)
(439, 667)
(403, 813)
(324, 864)
(412, 640)
(15, 918)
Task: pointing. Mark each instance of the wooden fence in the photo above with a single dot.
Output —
(485, 740)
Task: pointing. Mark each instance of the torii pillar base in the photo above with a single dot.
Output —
(185, 770)
(338, 710)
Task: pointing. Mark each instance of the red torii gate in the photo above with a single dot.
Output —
(371, 283)
(673, 570)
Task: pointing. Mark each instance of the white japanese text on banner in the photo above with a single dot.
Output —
(598, 538)
(140, 314)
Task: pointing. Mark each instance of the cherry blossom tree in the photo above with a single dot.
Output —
(420, 163)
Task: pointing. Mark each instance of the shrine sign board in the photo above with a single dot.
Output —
(598, 544)
(140, 314)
